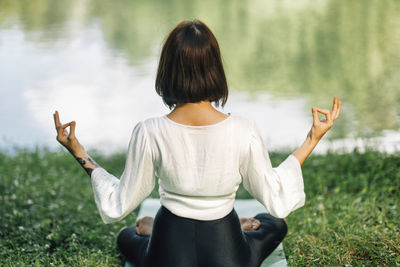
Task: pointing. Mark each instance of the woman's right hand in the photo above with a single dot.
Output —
(320, 127)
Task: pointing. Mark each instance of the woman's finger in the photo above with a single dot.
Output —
(327, 114)
(61, 129)
(324, 111)
(338, 110)
(56, 120)
(72, 129)
(315, 115)
(334, 107)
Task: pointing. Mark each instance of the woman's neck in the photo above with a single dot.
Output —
(201, 106)
(199, 113)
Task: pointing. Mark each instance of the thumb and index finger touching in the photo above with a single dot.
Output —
(330, 115)
(60, 127)
(315, 112)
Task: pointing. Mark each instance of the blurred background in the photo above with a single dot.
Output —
(95, 62)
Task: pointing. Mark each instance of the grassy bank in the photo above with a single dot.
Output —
(48, 215)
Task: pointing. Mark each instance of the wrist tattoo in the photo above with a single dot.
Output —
(83, 162)
(92, 161)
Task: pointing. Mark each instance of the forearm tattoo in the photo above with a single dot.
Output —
(83, 162)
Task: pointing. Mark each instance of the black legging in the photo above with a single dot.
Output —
(183, 242)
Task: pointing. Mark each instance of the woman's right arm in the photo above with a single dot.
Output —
(318, 129)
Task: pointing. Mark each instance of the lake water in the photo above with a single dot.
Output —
(95, 62)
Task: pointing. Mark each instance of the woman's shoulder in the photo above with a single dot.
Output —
(150, 123)
(242, 120)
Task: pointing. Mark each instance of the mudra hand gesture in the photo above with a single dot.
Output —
(320, 127)
(68, 140)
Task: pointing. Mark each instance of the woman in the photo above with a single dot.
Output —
(200, 156)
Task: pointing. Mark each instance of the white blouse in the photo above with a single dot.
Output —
(199, 169)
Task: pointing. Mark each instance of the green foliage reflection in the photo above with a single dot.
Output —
(344, 48)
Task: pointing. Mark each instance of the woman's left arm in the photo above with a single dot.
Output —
(71, 143)
(318, 129)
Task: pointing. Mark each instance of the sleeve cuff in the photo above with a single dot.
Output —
(94, 172)
(296, 166)
(293, 176)
(103, 185)
(292, 182)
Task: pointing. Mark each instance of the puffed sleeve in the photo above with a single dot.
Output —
(116, 198)
(280, 189)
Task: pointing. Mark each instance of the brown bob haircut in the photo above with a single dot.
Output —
(190, 68)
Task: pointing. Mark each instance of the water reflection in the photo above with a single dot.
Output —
(97, 59)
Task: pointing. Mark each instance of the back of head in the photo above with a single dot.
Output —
(190, 68)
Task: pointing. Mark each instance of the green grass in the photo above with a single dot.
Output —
(49, 218)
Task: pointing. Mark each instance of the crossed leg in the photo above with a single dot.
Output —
(144, 226)
(263, 233)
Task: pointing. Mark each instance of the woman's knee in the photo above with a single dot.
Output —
(120, 230)
(279, 229)
(124, 236)
(276, 225)
(282, 227)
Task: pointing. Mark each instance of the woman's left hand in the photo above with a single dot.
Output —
(320, 127)
(68, 140)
